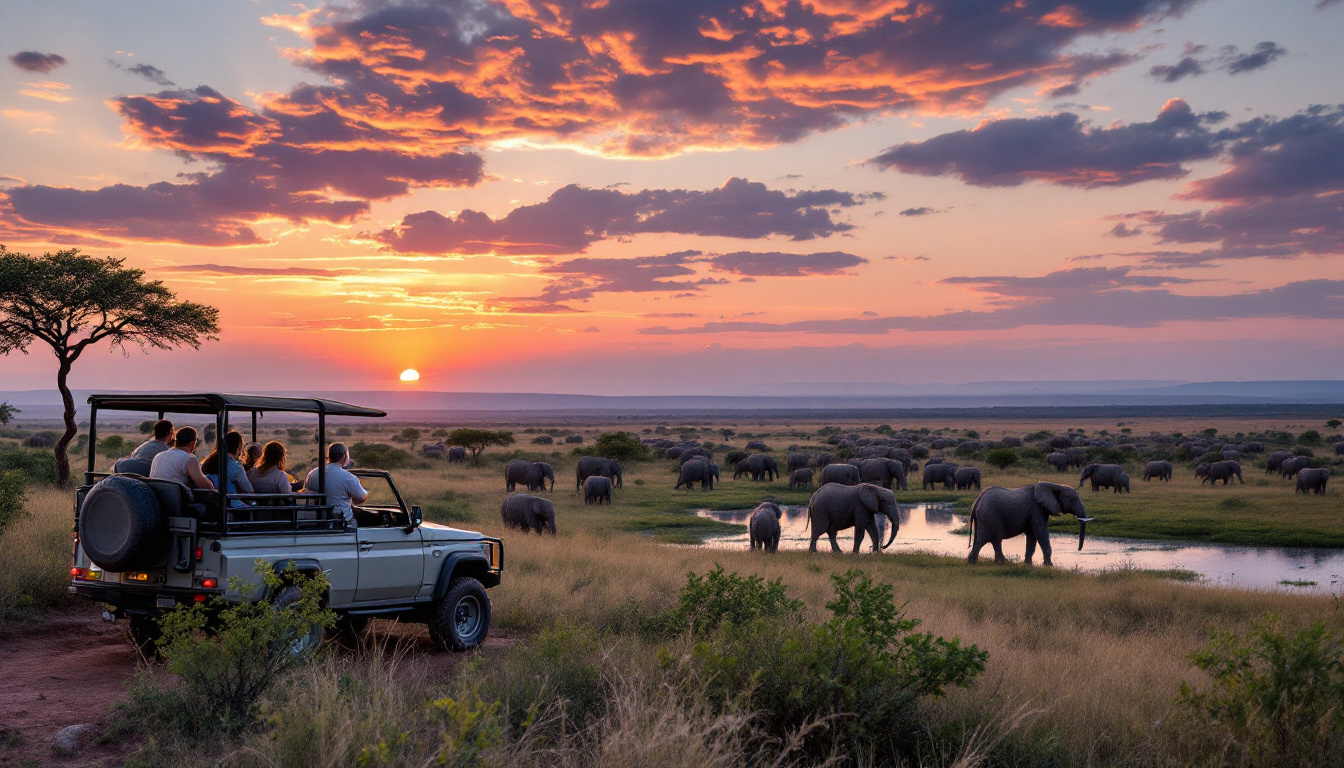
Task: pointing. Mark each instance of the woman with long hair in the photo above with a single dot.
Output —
(268, 476)
(232, 470)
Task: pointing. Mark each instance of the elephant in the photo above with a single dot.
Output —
(698, 471)
(763, 526)
(1003, 513)
(1312, 480)
(1158, 469)
(1339, 449)
(596, 489)
(800, 477)
(884, 472)
(1101, 475)
(1058, 460)
(1274, 461)
(942, 472)
(696, 452)
(596, 465)
(824, 460)
(1223, 470)
(1121, 484)
(532, 474)
(841, 474)
(835, 507)
(1231, 455)
(673, 453)
(757, 445)
(1202, 472)
(1077, 456)
(530, 513)
(797, 461)
(456, 454)
(1059, 442)
(1254, 446)
(1292, 466)
(965, 477)
(434, 450)
(761, 466)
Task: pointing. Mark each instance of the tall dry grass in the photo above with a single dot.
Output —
(35, 553)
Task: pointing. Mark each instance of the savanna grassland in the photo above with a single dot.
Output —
(1082, 669)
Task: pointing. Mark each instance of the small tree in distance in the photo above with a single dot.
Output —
(410, 434)
(1332, 424)
(477, 440)
(71, 302)
(7, 412)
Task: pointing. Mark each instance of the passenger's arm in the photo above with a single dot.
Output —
(358, 494)
(240, 480)
(198, 477)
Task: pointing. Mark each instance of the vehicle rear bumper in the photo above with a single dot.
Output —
(120, 598)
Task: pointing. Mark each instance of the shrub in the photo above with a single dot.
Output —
(543, 440)
(1031, 454)
(12, 497)
(1278, 692)
(558, 669)
(968, 450)
(864, 669)
(1302, 450)
(35, 466)
(40, 440)
(732, 457)
(1107, 454)
(1310, 437)
(226, 664)
(113, 446)
(705, 603)
(1002, 458)
(145, 427)
(380, 456)
(621, 446)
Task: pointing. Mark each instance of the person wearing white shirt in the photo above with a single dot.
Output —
(343, 488)
(162, 441)
(180, 464)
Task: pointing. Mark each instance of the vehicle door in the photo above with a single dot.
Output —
(391, 558)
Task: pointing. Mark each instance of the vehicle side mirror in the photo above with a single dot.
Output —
(417, 517)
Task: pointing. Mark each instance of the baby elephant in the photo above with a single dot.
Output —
(764, 526)
(1312, 480)
(596, 489)
(1121, 483)
(965, 477)
(800, 478)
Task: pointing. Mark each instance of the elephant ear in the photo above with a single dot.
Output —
(869, 496)
(1045, 496)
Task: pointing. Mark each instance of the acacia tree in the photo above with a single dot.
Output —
(477, 440)
(71, 302)
(7, 412)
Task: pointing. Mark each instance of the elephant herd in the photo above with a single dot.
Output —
(593, 475)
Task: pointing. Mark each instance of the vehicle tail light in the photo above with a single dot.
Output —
(199, 598)
(136, 576)
(78, 573)
(198, 553)
(209, 583)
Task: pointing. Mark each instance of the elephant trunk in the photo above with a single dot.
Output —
(895, 522)
(1082, 532)
(550, 524)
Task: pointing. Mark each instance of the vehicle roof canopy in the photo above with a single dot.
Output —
(215, 402)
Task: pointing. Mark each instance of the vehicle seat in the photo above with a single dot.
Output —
(131, 466)
(175, 499)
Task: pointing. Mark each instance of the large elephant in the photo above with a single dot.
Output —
(597, 489)
(1121, 484)
(1057, 460)
(1223, 470)
(841, 474)
(673, 453)
(763, 526)
(698, 471)
(696, 452)
(1312, 480)
(530, 513)
(1101, 475)
(1077, 456)
(1003, 513)
(797, 461)
(597, 465)
(532, 474)
(824, 459)
(1157, 469)
(884, 472)
(757, 445)
(1231, 455)
(1202, 472)
(835, 507)
(1292, 466)
(965, 477)
(800, 477)
(434, 450)
(760, 466)
(943, 472)
(456, 454)
(1274, 461)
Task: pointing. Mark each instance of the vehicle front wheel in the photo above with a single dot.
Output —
(461, 618)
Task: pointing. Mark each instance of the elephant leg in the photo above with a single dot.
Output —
(1042, 533)
(835, 545)
(813, 546)
(876, 534)
(1031, 547)
(859, 530)
(974, 556)
(998, 551)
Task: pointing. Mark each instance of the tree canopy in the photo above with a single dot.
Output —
(7, 412)
(70, 302)
(621, 446)
(477, 440)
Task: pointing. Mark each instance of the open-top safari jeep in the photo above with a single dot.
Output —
(144, 546)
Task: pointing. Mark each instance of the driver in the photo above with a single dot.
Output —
(343, 488)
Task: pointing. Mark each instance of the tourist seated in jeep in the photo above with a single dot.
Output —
(162, 441)
(343, 489)
(269, 475)
(233, 474)
(179, 464)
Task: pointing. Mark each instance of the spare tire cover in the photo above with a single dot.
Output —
(120, 525)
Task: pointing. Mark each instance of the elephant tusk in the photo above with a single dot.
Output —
(1086, 519)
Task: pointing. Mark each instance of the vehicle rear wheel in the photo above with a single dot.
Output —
(312, 636)
(461, 618)
(145, 633)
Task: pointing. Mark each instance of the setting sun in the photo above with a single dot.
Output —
(410, 374)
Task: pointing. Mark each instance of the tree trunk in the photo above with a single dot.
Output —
(68, 399)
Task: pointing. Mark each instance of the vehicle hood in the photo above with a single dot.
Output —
(437, 532)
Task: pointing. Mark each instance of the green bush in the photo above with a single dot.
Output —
(35, 466)
(1107, 454)
(226, 656)
(559, 669)
(113, 446)
(1278, 692)
(1002, 458)
(1310, 437)
(967, 451)
(707, 602)
(862, 671)
(12, 497)
(543, 440)
(1031, 454)
(621, 446)
(382, 456)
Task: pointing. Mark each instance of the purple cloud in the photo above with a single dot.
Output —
(775, 264)
(34, 61)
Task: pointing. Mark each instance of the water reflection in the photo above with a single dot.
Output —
(938, 529)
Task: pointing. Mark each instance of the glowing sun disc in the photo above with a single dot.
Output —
(410, 374)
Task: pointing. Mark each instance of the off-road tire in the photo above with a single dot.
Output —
(145, 633)
(120, 526)
(287, 596)
(460, 620)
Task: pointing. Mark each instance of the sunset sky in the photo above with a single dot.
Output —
(691, 196)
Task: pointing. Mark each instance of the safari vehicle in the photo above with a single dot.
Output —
(144, 546)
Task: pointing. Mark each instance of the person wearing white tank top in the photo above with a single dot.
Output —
(179, 464)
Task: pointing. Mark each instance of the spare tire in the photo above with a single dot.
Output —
(120, 525)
